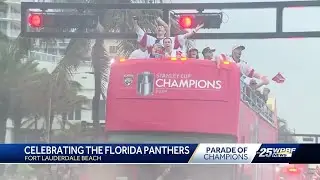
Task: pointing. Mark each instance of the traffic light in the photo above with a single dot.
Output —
(210, 20)
(55, 20)
(35, 20)
(186, 22)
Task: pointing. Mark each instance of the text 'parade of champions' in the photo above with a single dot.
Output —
(159, 153)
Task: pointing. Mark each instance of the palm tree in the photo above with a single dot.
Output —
(19, 108)
(29, 91)
(111, 21)
(14, 73)
(38, 100)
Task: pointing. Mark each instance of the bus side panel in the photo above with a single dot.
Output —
(179, 109)
(255, 129)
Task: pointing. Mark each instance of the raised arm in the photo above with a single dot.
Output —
(137, 28)
(165, 25)
(194, 31)
(250, 72)
(143, 38)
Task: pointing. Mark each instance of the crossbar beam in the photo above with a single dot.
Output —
(123, 36)
(172, 6)
(166, 7)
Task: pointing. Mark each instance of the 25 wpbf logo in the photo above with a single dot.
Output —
(276, 152)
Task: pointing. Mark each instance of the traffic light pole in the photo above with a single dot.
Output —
(166, 8)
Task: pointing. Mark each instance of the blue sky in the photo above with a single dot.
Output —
(297, 99)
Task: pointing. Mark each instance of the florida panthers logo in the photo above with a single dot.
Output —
(128, 79)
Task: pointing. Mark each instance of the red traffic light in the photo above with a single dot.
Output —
(35, 20)
(186, 22)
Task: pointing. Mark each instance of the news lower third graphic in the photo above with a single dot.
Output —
(160, 153)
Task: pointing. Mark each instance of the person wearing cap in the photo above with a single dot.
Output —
(140, 53)
(208, 53)
(193, 53)
(237, 52)
(245, 69)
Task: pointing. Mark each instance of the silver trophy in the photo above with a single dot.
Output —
(145, 85)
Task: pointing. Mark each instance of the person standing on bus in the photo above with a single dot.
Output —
(140, 53)
(208, 53)
(245, 69)
(193, 53)
(169, 51)
(157, 51)
(162, 31)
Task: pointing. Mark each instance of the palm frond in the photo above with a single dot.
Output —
(125, 48)
(77, 51)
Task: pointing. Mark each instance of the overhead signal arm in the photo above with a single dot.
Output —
(279, 6)
(306, 137)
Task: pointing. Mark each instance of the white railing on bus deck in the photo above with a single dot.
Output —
(250, 97)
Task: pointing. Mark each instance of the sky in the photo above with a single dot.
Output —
(296, 59)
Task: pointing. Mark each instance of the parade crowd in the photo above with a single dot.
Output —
(165, 46)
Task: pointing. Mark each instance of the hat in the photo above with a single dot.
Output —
(238, 47)
(208, 49)
(193, 49)
(253, 81)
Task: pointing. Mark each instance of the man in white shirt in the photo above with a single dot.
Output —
(163, 31)
(244, 67)
(169, 51)
(140, 53)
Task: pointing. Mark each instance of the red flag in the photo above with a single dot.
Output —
(278, 78)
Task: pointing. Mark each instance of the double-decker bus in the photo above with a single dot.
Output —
(184, 100)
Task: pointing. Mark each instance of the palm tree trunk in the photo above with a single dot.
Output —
(36, 120)
(3, 126)
(98, 55)
(17, 128)
(96, 101)
(95, 105)
(4, 113)
(51, 119)
(64, 117)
